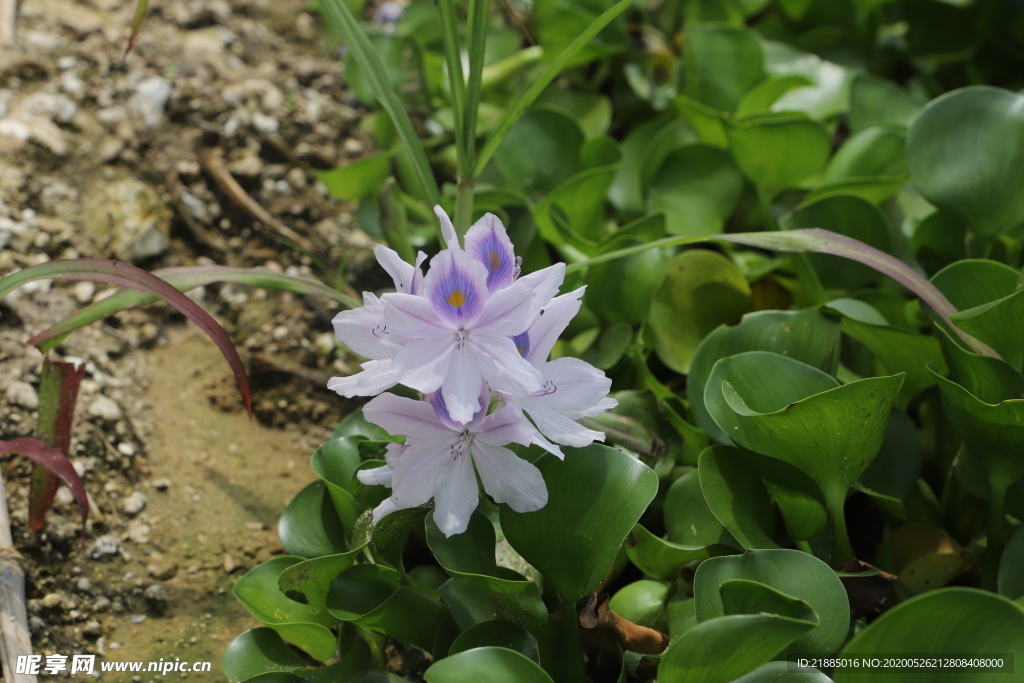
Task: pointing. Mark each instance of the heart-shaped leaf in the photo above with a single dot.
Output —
(791, 572)
(965, 152)
(737, 496)
(541, 151)
(696, 187)
(878, 151)
(701, 290)
(642, 602)
(721, 64)
(661, 559)
(497, 634)
(875, 101)
(310, 526)
(469, 557)
(806, 336)
(259, 654)
(306, 626)
(689, 520)
(497, 664)
(308, 582)
(595, 497)
(779, 151)
(723, 649)
(371, 596)
(948, 620)
(1000, 324)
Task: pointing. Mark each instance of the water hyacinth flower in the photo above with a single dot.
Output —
(467, 333)
(442, 458)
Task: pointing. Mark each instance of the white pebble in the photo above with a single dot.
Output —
(105, 409)
(23, 394)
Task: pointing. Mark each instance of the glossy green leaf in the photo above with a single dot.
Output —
(642, 602)
(356, 426)
(682, 615)
(661, 559)
(1000, 324)
(627, 190)
(782, 672)
(895, 349)
(826, 98)
(707, 122)
(800, 500)
(689, 519)
(644, 272)
(875, 101)
(697, 187)
(721, 63)
(974, 282)
(541, 152)
(949, 620)
(259, 653)
(388, 536)
(370, 595)
(723, 649)
(592, 111)
(497, 664)
(595, 497)
(736, 495)
(938, 241)
(965, 152)
(790, 572)
(581, 201)
(701, 290)
(515, 109)
(469, 557)
(306, 626)
(791, 411)
(778, 152)
(1011, 567)
(848, 215)
(310, 526)
(497, 634)
(874, 151)
(761, 97)
(806, 336)
(336, 462)
(357, 179)
(307, 583)
(363, 51)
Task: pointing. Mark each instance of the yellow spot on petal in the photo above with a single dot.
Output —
(456, 298)
(520, 349)
(495, 260)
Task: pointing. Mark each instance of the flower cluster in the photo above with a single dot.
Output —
(474, 338)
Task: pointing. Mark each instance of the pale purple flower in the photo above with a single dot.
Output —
(442, 458)
(571, 388)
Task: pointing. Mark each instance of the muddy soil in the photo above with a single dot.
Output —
(108, 157)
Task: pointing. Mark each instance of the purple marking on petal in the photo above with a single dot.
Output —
(453, 290)
(489, 244)
(522, 342)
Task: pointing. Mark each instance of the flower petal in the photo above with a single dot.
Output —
(456, 285)
(386, 507)
(401, 272)
(422, 465)
(455, 495)
(573, 385)
(601, 406)
(508, 312)
(404, 416)
(509, 479)
(423, 365)
(363, 329)
(451, 238)
(377, 476)
(545, 282)
(461, 388)
(549, 327)
(393, 453)
(558, 427)
(488, 242)
(504, 369)
(377, 376)
(410, 317)
(538, 439)
(504, 426)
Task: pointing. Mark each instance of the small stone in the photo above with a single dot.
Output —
(229, 564)
(36, 625)
(325, 343)
(83, 584)
(23, 394)
(84, 291)
(135, 619)
(65, 496)
(126, 449)
(150, 99)
(264, 123)
(106, 544)
(105, 409)
(161, 484)
(138, 532)
(296, 177)
(156, 598)
(51, 600)
(162, 572)
(102, 603)
(134, 503)
(92, 629)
